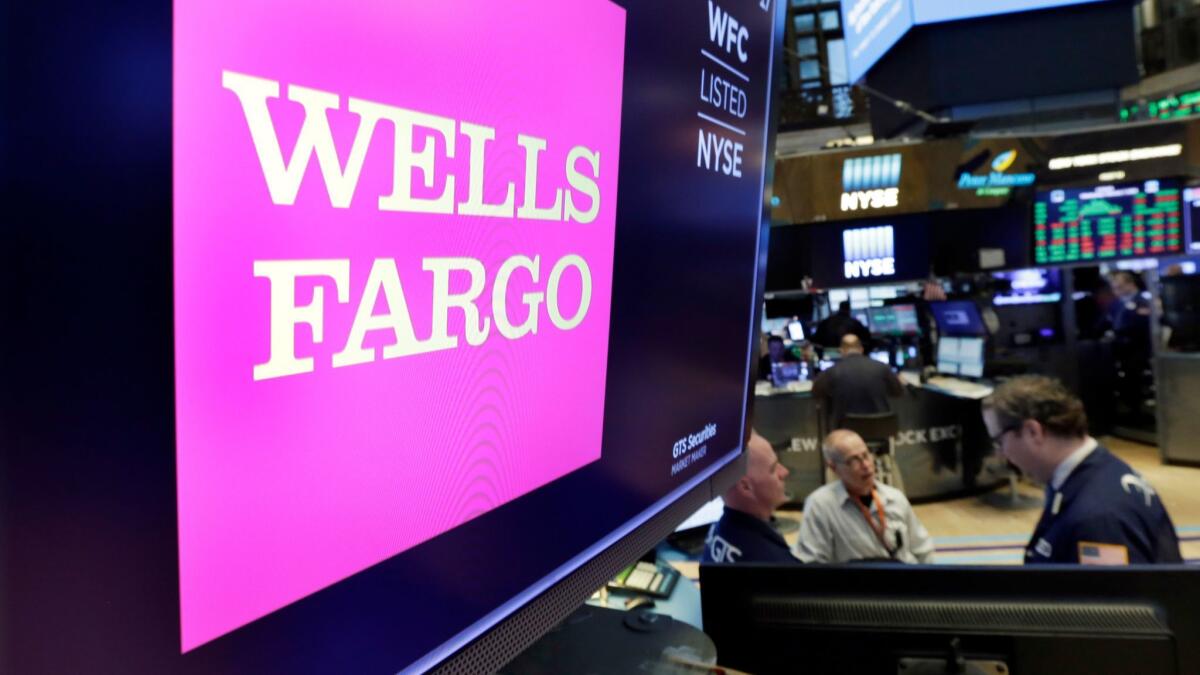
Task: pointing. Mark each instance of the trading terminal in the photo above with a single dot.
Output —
(397, 338)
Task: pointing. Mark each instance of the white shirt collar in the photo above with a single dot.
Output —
(1065, 467)
(843, 495)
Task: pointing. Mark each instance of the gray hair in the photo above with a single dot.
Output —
(829, 446)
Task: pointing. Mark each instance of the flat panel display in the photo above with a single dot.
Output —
(957, 317)
(1028, 287)
(1191, 216)
(947, 355)
(467, 237)
(1129, 220)
(795, 331)
(391, 299)
(893, 320)
(960, 356)
(878, 251)
(934, 11)
(467, 269)
(970, 355)
(871, 28)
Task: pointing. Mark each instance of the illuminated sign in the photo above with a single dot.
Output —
(1116, 156)
(339, 230)
(871, 182)
(1107, 221)
(996, 183)
(869, 252)
(1175, 106)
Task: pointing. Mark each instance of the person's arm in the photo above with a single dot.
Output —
(894, 386)
(921, 545)
(1105, 539)
(820, 389)
(815, 543)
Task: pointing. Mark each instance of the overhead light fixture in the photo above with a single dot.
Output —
(1116, 156)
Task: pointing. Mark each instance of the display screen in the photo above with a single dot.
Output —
(871, 28)
(957, 317)
(415, 352)
(1107, 221)
(795, 331)
(893, 320)
(934, 11)
(960, 356)
(1191, 216)
(775, 326)
(874, 252)
(1028, 287)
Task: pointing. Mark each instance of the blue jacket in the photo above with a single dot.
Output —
(741, 537)
(1105, 506)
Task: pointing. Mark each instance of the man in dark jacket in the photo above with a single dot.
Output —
(857, 384)
(1098, 510)
(744, 532)
(832, 329)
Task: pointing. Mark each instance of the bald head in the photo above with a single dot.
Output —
(850, 344)
(847, 454)
(762, 489)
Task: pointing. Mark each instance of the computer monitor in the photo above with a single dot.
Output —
(783, 372)
(775, 326)
(1191, 218)
(879, 618)
(795, 331)
(1181, 311)
(958, 317)
(882, 356)
(365, 340)
(1027, 287)
(893, 320)
(947, 355)
(960, 356)
(970, 357)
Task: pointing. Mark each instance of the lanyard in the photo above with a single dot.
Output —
(879, 528)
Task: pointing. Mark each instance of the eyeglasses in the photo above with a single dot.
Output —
(998, 439)
(856, 460)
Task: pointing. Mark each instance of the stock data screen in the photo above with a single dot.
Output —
(1108, 221)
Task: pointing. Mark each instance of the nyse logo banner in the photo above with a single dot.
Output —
(394, 229)
(871, 182)
(869, 252)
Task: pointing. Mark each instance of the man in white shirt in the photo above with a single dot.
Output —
(855, 518)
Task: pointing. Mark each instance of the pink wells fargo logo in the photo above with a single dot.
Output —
(394, 230)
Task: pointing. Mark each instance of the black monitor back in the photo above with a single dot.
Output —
(1181, 311)
(873, 618)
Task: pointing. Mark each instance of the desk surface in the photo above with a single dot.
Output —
(959, 388)
(943, 384)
